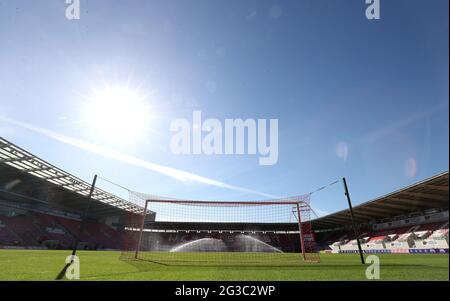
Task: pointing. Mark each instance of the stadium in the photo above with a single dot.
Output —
(46, 212)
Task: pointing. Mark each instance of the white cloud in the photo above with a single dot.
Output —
(342, 150)
(174, 173)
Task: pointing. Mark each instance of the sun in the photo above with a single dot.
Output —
(117, 114)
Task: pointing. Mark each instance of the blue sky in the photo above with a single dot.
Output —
(332, 78)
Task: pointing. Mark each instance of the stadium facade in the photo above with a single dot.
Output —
(41, 207)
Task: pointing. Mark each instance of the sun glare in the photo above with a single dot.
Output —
(117, 114)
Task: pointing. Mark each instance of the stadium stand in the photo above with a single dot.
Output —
(7, 237)
(41, 206)
(396, 240)
(43, 230)
(24, 228)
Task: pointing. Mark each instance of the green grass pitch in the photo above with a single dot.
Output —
(98, 265)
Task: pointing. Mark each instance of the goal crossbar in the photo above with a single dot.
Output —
(222, 203)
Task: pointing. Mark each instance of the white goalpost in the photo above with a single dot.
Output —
(272, 232)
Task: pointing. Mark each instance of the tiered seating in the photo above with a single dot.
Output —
(404, 236)
(38, 229)
(73, 227)
(399, 239)
(285, 242)
(433, 236)
(7, 237)
(111, 235)
(441, 233)
(46, 224)
(377, 238)
(431, 227)
(44, 221)
(96, 232)
(23, 226)
(108, 231)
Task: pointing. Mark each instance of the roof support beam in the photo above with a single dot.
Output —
(381, 210)
(357, 212)
(428, 196)
(54, 177)
(401, 207)
(437, 187)
(336, 219)
(416, 202)
(16, 159)
(345, 219)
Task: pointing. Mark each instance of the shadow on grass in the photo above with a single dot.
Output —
(149, 264)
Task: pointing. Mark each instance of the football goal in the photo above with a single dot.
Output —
(170, 231)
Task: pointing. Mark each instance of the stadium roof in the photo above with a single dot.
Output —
(24, 162)
(427, 194)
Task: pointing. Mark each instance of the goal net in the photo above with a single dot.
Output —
(169, 231)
